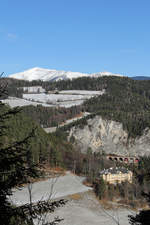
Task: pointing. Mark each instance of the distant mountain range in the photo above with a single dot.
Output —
(55, 75)
(140, 78)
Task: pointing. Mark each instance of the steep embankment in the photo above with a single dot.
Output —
(109, 136)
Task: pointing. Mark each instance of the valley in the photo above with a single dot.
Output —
(97, 128)
(74, 112)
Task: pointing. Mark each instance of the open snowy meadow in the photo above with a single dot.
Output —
(65, 98)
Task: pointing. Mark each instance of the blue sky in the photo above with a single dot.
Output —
(76, 35)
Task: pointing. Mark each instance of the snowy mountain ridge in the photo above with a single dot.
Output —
(55, 75)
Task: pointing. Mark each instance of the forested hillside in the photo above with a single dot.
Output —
(50, 117)
(125, 100)
(44, 148)
(51, 149)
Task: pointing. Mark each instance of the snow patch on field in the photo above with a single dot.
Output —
(15, 102)
(53, 98)
(65, 99)
(82, 92)
(50, 189)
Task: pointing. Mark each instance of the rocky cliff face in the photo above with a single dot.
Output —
(109, 136)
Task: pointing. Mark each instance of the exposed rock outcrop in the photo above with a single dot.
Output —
(109, 136)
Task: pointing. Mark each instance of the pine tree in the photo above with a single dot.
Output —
(14, 167)
(17, 168)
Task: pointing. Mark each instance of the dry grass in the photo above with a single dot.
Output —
(52, 171)
(75, 196)
(88, 184)
(132, 205)
(48, 172)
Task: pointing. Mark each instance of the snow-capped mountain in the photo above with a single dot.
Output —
(54, 75)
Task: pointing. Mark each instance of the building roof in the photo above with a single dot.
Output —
(114, 170)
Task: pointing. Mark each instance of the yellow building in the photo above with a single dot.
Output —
(116, 175)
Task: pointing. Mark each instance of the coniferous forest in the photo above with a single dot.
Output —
(125, 100)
